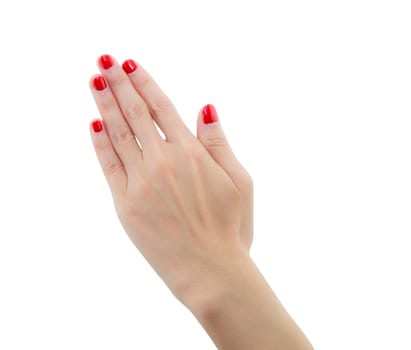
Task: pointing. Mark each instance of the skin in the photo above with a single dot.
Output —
(187, 205)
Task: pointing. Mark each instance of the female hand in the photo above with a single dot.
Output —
(185, 202)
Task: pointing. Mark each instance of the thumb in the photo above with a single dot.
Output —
(211, 135)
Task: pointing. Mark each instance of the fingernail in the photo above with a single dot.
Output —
(99, 82)
(209, 114)
(106, 61)
(129, 66)
(97, 125)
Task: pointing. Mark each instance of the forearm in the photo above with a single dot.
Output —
(240, 311)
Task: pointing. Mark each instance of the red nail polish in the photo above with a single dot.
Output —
(129, 66)
(97, 125)
(209, 114)
(99, 82)
(106, 61)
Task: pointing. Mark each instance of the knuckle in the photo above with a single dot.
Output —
(112, 168)
(194, 154)
(127, 209)
(246, 181)
(136, 200)
(162, 105)
(106, 104)
(145, 80)
(234, 195)
(122, 137)
(135, 111)
(117, 80)
(216, 141)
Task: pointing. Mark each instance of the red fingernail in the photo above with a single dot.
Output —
(106, 61)
(99, 82)
(209, 114)
(97, 125)
(129, 66)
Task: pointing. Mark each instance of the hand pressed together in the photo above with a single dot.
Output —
(187, 205)
(185, 201)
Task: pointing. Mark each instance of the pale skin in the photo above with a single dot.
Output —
(186, 203)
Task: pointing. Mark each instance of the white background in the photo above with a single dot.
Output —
(314, 97)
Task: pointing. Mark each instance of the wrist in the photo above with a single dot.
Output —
(207, 294)
(239, 310)
(229, 282)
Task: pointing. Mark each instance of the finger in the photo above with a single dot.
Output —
(133, 107)
(110, 163)
(121, 136)
(211, 135)
(161, 108)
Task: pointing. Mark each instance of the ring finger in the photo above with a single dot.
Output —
(121, 136)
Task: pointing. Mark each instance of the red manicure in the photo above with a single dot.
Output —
(97, 125)
(209, 114)
(99, 82)
(129, 66)
(106, 61)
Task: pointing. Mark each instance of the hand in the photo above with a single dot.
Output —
(185, 202)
